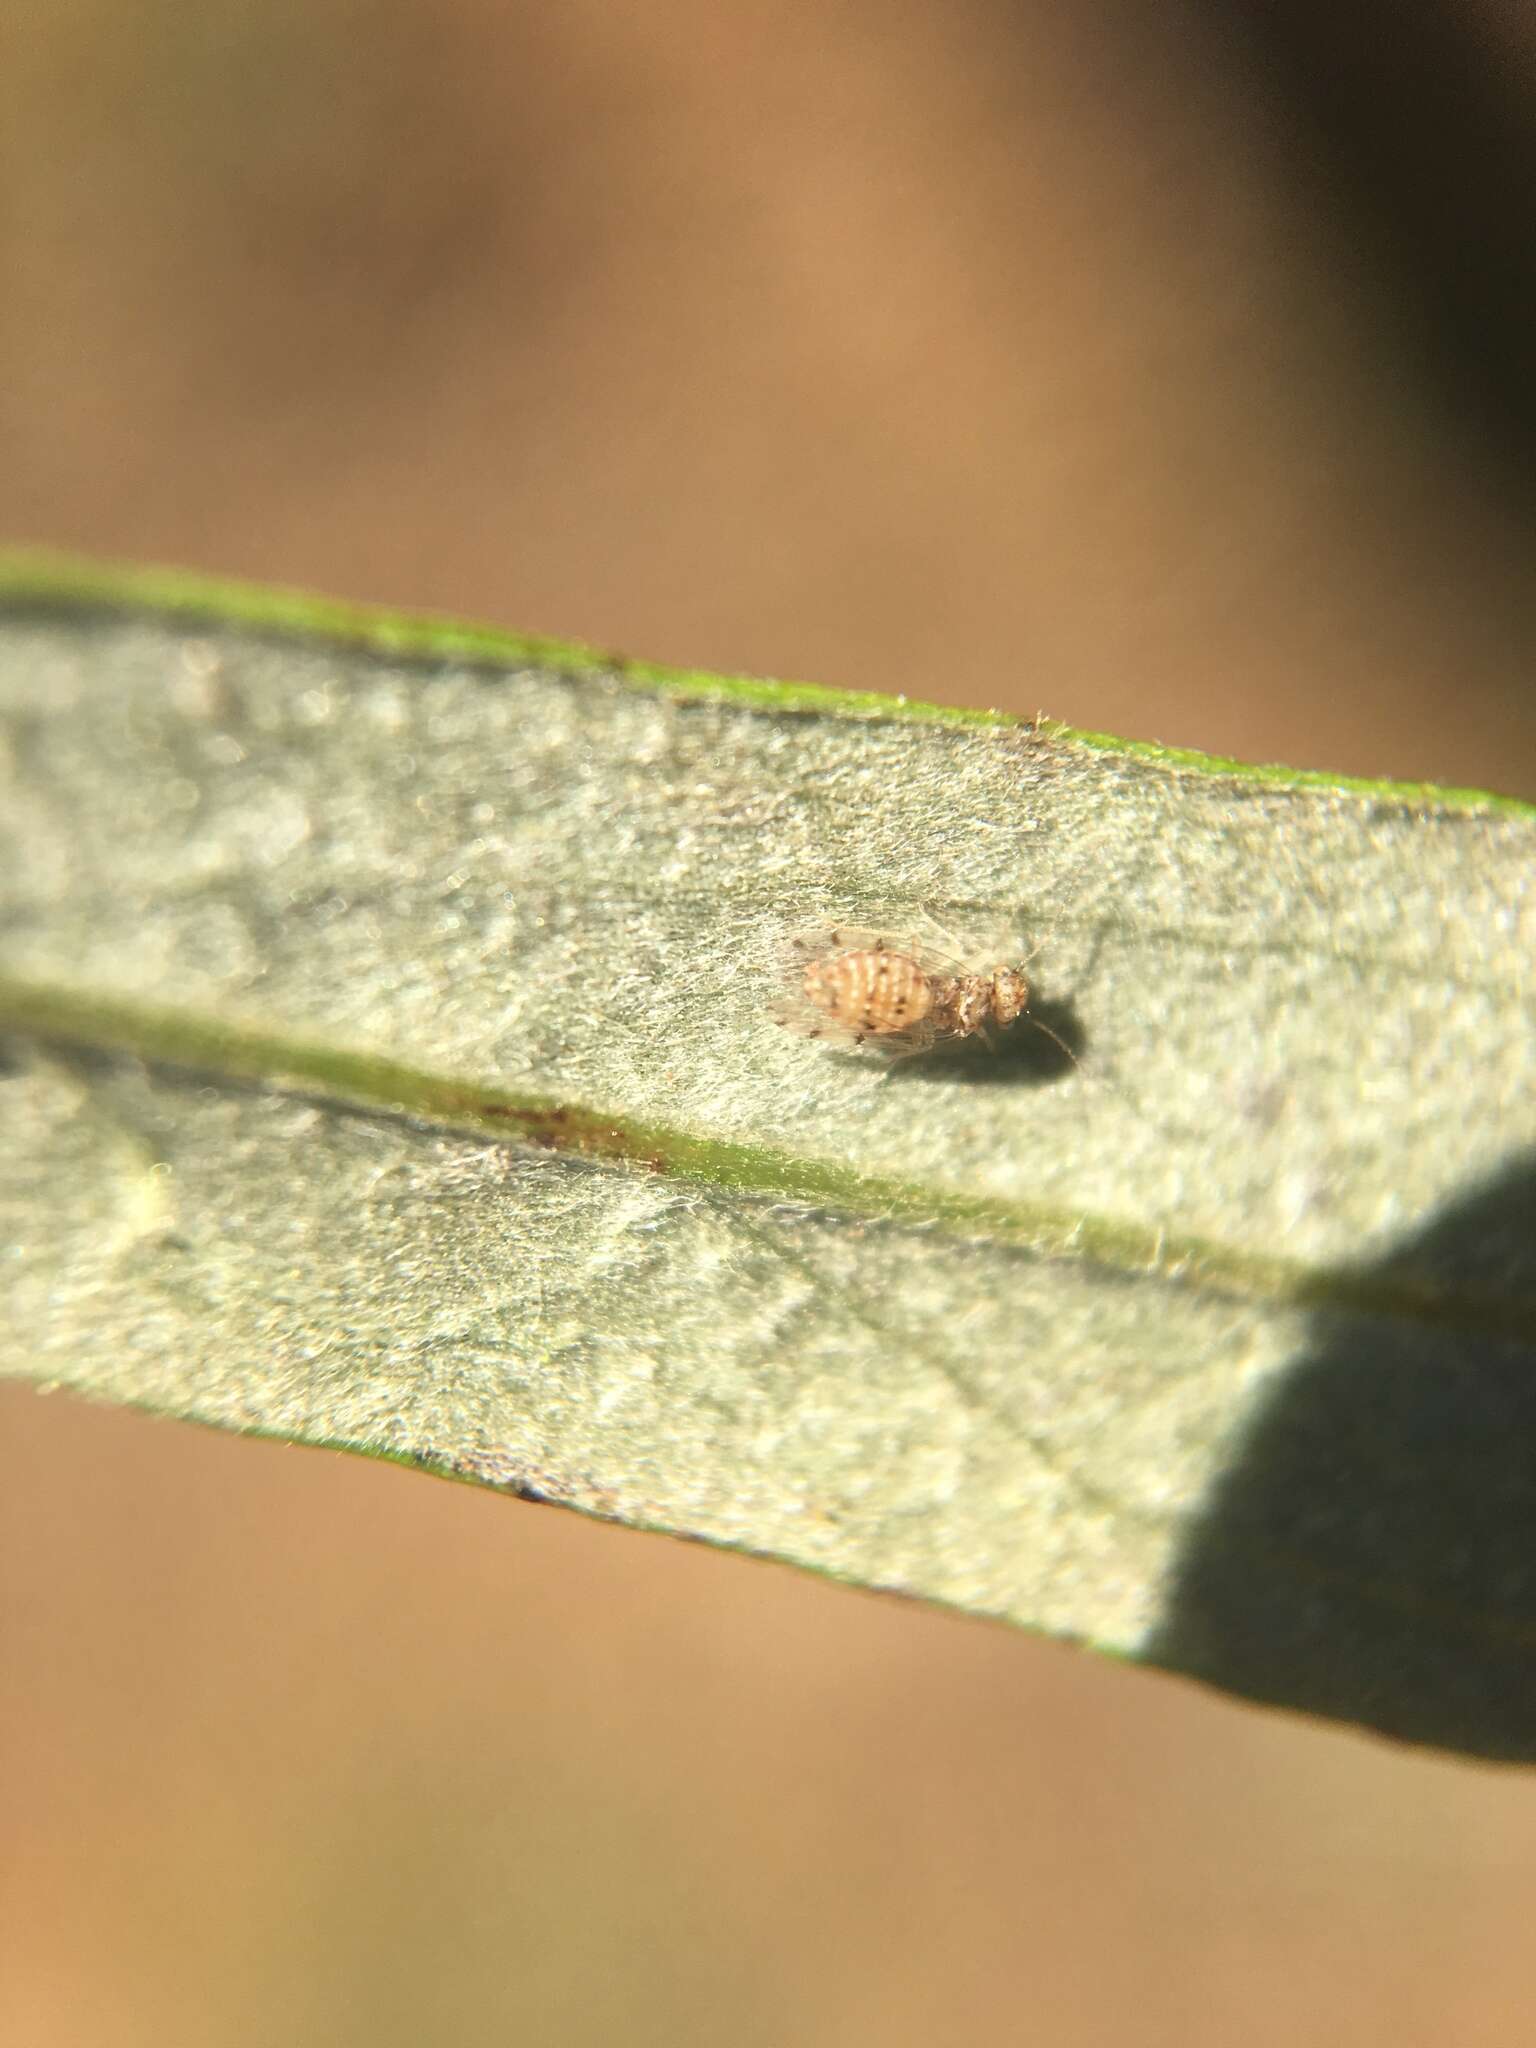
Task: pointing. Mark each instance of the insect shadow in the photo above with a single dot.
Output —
(1043, 1045)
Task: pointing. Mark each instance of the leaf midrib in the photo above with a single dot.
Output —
(350, 1079)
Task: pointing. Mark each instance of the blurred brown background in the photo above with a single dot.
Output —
(1165, 368)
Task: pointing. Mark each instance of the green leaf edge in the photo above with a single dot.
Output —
(32, 578)
(364, 1082)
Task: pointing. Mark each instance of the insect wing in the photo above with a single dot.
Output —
(817, 1014)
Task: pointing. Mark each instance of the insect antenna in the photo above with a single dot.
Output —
(1054, 1036)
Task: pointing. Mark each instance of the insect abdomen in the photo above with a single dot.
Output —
(870, 993)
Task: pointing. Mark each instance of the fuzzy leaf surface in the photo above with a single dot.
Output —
(393, 1064)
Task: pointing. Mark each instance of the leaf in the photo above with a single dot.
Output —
(395, 1068)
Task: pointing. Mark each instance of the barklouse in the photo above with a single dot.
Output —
(863, 988)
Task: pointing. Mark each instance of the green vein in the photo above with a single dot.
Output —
(361, 1080)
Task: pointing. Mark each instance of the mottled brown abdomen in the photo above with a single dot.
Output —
(870, 993)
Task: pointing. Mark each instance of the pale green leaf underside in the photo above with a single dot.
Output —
(1215, 1347)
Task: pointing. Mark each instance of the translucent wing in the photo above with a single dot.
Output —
(799, 1010)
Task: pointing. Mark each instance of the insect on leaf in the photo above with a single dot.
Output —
(1212, 1344)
